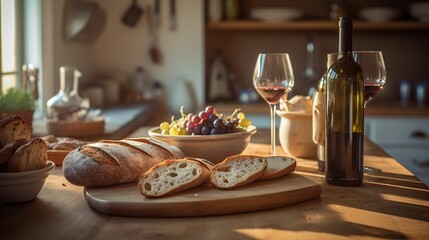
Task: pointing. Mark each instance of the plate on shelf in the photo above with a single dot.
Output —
(379, 14)
(420, 11)
(275, 14)
(57, 156)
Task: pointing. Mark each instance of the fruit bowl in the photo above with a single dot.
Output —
(214, 148)
(18, 187)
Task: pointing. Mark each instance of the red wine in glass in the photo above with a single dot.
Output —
(371, 89)
(271, 94)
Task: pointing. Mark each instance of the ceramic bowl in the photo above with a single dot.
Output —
(214, 148)
(275, 14)
(23, 186)
(379, 14)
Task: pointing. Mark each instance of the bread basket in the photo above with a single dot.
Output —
(76, 129)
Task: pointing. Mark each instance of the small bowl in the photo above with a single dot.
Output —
(23, 186)
(214, 148)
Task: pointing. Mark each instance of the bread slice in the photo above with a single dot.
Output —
(278, 166)
(237, 171)
(173, 175)
(30, 156)
(7, 152)
(13, 128)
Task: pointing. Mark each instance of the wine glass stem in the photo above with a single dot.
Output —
(273, 128)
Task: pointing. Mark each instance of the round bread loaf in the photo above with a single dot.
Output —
(109, 162)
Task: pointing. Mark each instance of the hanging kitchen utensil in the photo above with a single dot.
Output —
(154, 52)
(132, 15)
(83, 21)
(156, 13)
(172, 16)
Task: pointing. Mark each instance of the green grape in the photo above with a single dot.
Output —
(182, 131)
(241, 116)
(164, 126)
(245, 122)
(174, 131)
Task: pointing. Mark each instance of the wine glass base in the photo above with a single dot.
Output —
(371, 170)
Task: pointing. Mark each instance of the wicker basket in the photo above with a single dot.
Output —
(76, 128)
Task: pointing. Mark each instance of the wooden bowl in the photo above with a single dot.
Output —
(76, 129)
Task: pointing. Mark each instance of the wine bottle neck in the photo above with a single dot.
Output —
(345, 37)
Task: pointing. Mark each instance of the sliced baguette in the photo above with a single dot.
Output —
(173, 175)
(237, 171)
(30, 156)
(278, 166)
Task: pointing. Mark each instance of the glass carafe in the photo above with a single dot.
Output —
(67, 103)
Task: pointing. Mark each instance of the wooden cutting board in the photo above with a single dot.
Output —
(126, 200)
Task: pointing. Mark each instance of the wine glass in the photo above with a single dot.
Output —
(273, 78)
(374, 71)
(374, 74)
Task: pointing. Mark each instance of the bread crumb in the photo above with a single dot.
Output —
(196, 195)
(64, 185)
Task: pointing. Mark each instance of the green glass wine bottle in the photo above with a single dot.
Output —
(344, 115)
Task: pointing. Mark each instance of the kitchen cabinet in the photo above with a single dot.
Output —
(404, 138)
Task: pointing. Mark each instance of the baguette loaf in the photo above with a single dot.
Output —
(13, 128)
(237, 171)
(30, 156)
(174, 175)
(278, 166)
(111, 162)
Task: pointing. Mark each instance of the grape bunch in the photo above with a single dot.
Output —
(207, 122)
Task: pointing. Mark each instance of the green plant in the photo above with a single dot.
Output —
(17, 99)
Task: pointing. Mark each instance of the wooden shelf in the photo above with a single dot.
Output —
(324, 25)
(391, 108)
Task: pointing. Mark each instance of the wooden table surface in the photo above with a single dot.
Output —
(392, 204)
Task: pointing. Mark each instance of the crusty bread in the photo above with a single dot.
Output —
(13, 128)
(7, 152)
(174, 175)
(115, 161)
(278, 166)
(30, 156)
(237, 171)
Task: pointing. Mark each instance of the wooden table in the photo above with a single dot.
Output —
(392, 204)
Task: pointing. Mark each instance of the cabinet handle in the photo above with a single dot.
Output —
(418, 134)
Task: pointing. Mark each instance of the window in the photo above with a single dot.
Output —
(9, 45)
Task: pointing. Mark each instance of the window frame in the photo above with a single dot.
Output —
(19, 45)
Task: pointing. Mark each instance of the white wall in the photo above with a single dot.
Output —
(56, 52)
(121, 48)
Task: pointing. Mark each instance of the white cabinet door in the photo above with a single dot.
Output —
(405, 138)
(398, 131)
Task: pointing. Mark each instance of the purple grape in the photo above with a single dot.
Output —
(218, 123)
(206, 130)
(197, 129)
(212, 118)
